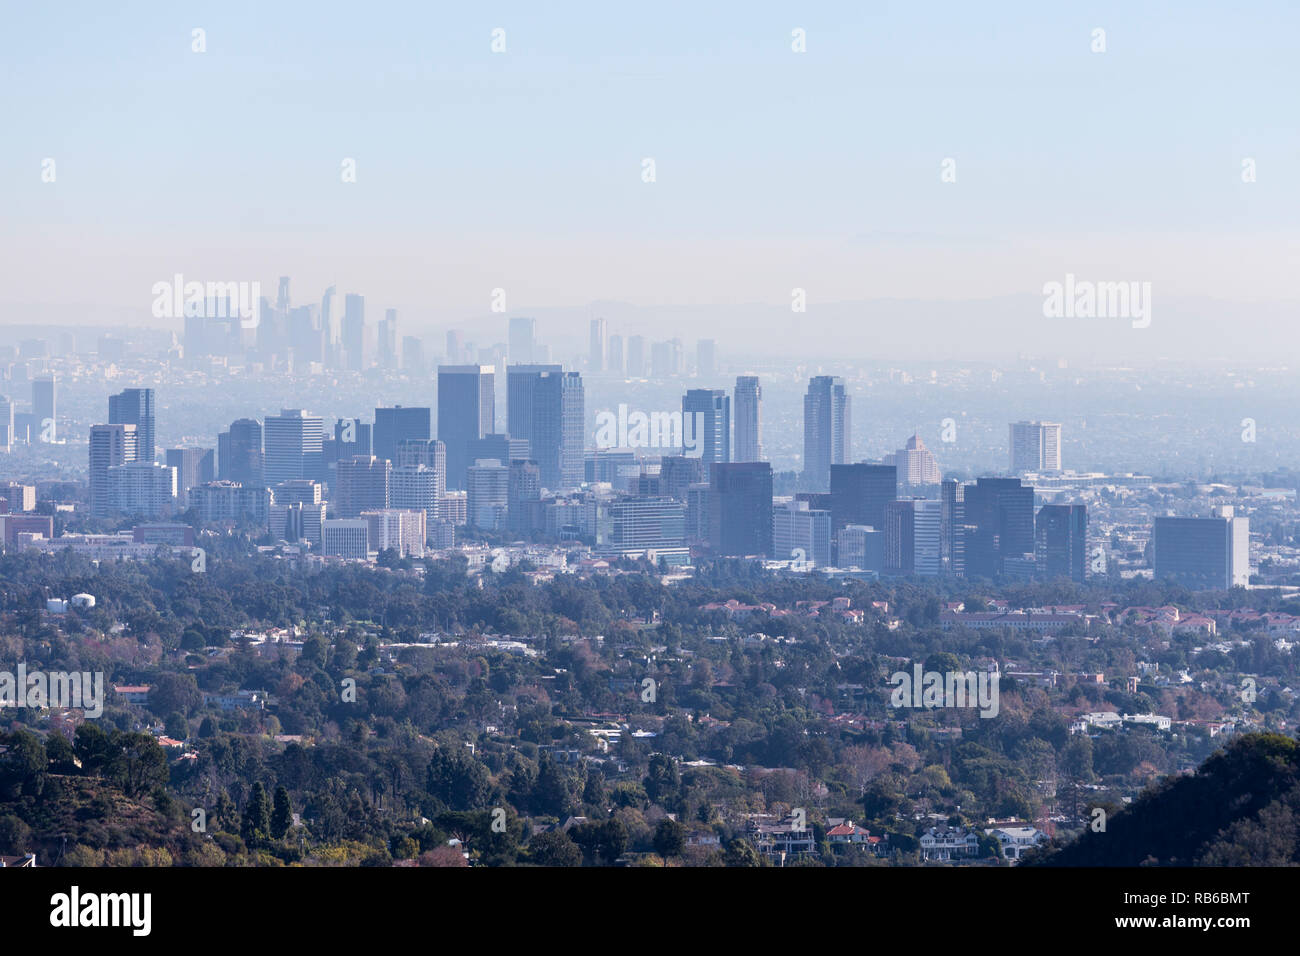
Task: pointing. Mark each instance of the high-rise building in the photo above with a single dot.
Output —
(666, 359)
(413, 355)
(222, 501)
(1061, 542)
(636, 357)
(297, 522)
(7, 436)
(239, 453)
(346, 538)
(194, 466)
(135, 406)
(466, 411)
(363, 485)
(801, 534)
(952, 527)
(918, 471)
(999, 520)
(1203, 553)
(455, 347)
(1035, 447)
(110, 446)
(545, 406)
(293, 446)
(488, 494)
(524, 496)
(396, 529)
(645, 523)
(500, 447)
(300, 491)
(386, 340)
(706, 358)
(354, 332)
(706, 419)
(826, 429)
(614, 355)
(678, 472)
(522, 340)
(858, 546)
(749, 419)
(397, 424)
(44, 408)
(143, 488)
(912, 537)
(740, 508)
(860, 492)
(596, 356)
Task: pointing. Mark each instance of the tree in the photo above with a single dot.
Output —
(554, 848)
(740, 853)
(175, 692)
(257, 817)
(457, 780)
(282, 814)
(670, 838)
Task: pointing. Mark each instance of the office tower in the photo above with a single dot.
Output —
(740, 508)
(413, 355)
(522, 340)
(912, 537)
(454, 507)
(398, 424)
(329, 325)
(645, 523)
(636, 357)
(858, 546)
(466, 411)
(826, 429)
(110, 446)
(706, 423)
(300, 491)
(666, 358)
(678, 472)
(614, 355)
(282, 296)
(596, 356)
(455, 347)
(142, 488)
(229, 501)
(354, 332)
(500, 447)
(19, 497)
(749, 419)
(545, 406)
(524, 496)
(706, 358)
(239, 453)
(386, 342)
(44, 408)
(296, 522)
(7, 436)
(417, 486)
(1035, 447)
(1061, 542)
(135, 406)
(860, 492)
(952, 527)
(801, 534)
(918, 471)
(347, 538)
(363, 483)
(488, 494)
(293, 444)
(396, 529)
(999, 518)
(1203, 553)
(194, 466)
(306, 337)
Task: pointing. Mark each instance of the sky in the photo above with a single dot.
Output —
(773, 169)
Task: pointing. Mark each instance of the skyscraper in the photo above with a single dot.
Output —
(706, 419)
(524, 496)
(239, 453)
(952, 527)
(614, 355)
(1061, 542)
(194, 466)
(546, 406)
(740, 508)
(135, 406)
(860, 493)
(1203, 553)
(596, 356)
(455, 347)
(363, 484)
(1035, 447)
(636, 357)
(110, 446)
(293, 442)
(918, 471)
(522, 340)
(749, 419)
(6, 423)
(413, 355)
(826, 429)
(706, 358)
(488, 491)
(386, 341)
(912, 537)
(44, 408)
(801, 533)
(397, 424)
(466, 411)
(999, 518)
(354, 332)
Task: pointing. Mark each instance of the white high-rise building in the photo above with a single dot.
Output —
(1035, 447)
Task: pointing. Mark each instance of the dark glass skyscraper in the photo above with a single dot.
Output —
(239, 453)
(999, 515)
(749, 419)
(397, 424)
(466, 411)
(135, 406)
(546, 406)
(740, 508)
(860, 493)
(1061, 542)
(706, 420)
(827, 435)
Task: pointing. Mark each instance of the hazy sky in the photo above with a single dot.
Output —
(523, 169)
